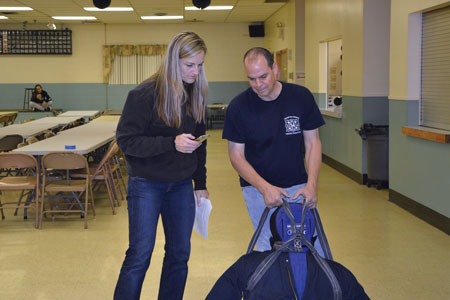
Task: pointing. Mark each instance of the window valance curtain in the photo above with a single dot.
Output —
(111, 51)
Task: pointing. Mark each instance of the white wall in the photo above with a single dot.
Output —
(300, 39)
(275, 40)
(400, 10)
(376, 47)
(226, 44)
(328, 19)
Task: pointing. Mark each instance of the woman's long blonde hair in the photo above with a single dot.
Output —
(171, 93)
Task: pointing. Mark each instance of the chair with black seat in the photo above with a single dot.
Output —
(28, 183)
(10, 142)
(64, 187)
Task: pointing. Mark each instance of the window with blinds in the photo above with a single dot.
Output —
(435, 98)
(133, 69)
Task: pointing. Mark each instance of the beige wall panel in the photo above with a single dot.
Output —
(226, 44)
(84, 65)
(327, 19)
(398, 74)
(300, 40)
(376, 48)
(278, 38)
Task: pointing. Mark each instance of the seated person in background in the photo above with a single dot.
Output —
(294, 274)
(40, 100)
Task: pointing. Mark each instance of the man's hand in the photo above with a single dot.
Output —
(310, 195)
(272, 195)
(201, 194)
(185, 143)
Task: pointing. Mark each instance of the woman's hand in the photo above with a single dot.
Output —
(201, 194)
(186, 143)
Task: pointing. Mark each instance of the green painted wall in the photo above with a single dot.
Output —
(339, 139)
(338, 136)
(98, 96)
(418, 168)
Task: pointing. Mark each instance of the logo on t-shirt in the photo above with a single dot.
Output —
(292, 125)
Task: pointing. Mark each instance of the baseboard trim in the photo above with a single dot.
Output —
(349, 172)
(424, 213)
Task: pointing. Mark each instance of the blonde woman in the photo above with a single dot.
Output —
(156, 132)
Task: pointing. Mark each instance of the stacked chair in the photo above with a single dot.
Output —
(108, 171)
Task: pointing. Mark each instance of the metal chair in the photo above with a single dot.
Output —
(215, 114)
(8, 119)
(103, 172)
(4, 120)
(27, 98)
(12, 118)
(70, 190)
(28, 182)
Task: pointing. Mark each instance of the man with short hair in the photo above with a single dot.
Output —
(266, 127)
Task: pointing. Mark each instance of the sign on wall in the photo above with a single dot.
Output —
(36, 42)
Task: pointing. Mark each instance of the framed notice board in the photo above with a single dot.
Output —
(36, 42)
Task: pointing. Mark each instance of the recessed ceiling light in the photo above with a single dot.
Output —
(6, 8)
(74, 18)
(161, 17)
(3, 18)
(109, 9)
(209, 8)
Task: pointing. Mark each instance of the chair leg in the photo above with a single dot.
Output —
(36, 208)
(18, 203)
(41, 210)
(122, 182)
(113, 187)
(111, 196)
(92, 199)
(86, 203)
(119, 186)
(27, 203)
(1, 208)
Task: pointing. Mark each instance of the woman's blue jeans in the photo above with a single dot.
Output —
(147, 199)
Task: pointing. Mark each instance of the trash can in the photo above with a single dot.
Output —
(377, 146)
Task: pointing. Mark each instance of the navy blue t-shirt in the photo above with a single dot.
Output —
(272, 132)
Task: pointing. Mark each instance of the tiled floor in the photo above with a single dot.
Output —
(393, 254)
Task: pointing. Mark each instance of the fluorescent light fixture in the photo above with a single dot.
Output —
(161, 17)
(7, 8)
(109, 9)
(74, 18)
(209, 8)
(3, 18)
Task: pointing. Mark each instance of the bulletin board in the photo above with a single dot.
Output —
(34, 42)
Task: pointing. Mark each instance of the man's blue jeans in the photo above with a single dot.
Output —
(256, 205)
(147, 199)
